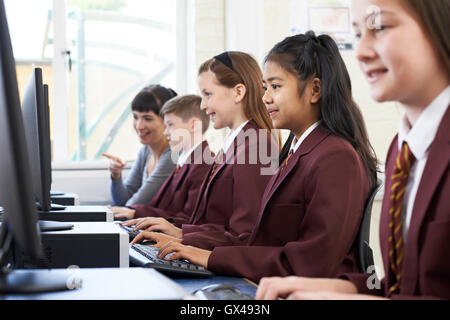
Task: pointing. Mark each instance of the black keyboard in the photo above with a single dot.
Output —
(132, 233)
(147, 257)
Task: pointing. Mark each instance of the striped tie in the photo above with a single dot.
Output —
(177, 168)
(285, 162)
(217, 162)
(399, 180)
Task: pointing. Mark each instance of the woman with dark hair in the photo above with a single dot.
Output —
(154, 163)
(313, 204)
(404, 51)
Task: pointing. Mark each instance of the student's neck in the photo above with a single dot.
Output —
(157, 149)
(302, 129)
(417, 104)
(237, 122)
(192, 143)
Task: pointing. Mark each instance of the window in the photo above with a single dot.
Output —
(112, 49)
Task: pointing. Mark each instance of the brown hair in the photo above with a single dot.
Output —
(434, 16)
(247, 72)
(186, 107)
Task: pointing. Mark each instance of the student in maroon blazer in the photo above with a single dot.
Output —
(230, 196)
(185, 126)
(312, 206)
(406, 59)
(176, 199)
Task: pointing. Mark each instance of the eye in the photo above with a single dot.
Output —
(275, 86)
(264, 88)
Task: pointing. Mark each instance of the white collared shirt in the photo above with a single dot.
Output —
(419, 139)
(231, 136)
(296, 143)
(182, 158)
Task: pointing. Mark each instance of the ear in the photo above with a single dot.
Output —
(196, 125)
(240, 90)
(316, 91)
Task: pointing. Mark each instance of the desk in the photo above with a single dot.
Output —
(110, 284)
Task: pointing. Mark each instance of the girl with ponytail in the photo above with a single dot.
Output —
(312, 207)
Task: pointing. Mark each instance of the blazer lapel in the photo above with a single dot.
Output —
(315, 137)
(229, 157)
(437, 163)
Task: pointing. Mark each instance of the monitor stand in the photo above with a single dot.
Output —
(53, 207)
(26, 281)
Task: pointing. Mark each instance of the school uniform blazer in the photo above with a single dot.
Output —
(228, 205)
(309, 218)
(176, 198)
(426, 264)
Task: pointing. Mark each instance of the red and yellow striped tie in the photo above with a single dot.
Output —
(177, 168)
(405, 160)
(218, 160)
(285, 162)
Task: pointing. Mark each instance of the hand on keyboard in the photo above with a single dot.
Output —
(160, 238)
(175, 266)
(194, 255)
(156, 224)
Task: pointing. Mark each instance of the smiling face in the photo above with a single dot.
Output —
(395, 54)
(178, 132)
(218, 101)
(283, 102)
(149, 127)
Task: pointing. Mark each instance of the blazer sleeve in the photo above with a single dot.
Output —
(151, 185)
(334, 200)
(189, 191)
(248, 187)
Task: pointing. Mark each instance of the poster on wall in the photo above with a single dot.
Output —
(324, 17)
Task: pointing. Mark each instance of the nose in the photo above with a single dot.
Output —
(203, 105)
(267, 97)
(365, 50)
(139, 124)
(166, 132)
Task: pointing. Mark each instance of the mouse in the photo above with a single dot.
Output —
(221, 292)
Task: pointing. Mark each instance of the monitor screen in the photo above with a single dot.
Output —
(37, 130)
(16, 193)
(19, 224)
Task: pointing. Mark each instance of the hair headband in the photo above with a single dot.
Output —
(225, 59)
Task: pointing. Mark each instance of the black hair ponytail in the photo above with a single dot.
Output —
(308, 56)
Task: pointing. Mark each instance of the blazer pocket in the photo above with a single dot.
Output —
(434, 258)
(220, 200)
(285, 220)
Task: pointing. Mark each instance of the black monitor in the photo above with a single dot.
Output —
(36, 115)
(20, 220)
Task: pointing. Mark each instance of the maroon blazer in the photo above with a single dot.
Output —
(228, 205)
(426, 265)
(310, 215)
(176, 198)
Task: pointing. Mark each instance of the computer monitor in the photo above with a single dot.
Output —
(35, 109)
(20, 220)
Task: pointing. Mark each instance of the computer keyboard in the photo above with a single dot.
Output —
(147, 257)
(130, 230)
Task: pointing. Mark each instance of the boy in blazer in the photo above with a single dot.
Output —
(175, 200)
